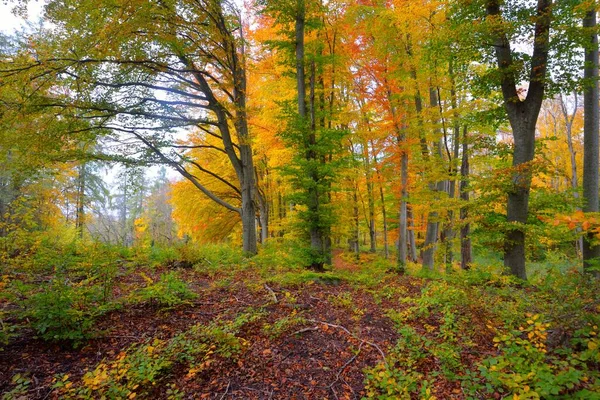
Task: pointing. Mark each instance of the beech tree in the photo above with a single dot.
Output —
(590, 250)
(148, 71)
(522, 115)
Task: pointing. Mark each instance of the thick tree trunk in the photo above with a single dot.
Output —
(466, 255)
(523, 116)
(591, 251)
(248, 187)
(518, 197)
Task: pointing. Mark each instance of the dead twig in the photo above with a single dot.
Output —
(374, 345)
(272, 293)
(226, 390)
(310, 328)
(339, 373)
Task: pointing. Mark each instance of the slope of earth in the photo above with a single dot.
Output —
(266, 333)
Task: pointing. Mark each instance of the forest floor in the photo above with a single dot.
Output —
(256, 334)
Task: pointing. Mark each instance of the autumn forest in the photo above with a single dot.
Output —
(300, 199)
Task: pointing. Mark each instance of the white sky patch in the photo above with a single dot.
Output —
(9, 22)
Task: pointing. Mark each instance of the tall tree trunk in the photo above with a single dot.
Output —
(466, 255)
(431, 235)
(356, 230)
(452, 163)
(403, 215)
(569, 119)
(402, 212)
(411, 235)
(383, 209)
(591, 252)
(316, 237)
(370, 198)
(523, 116)
(246, 170)
(80, 203)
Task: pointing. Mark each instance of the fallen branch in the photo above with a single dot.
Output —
(226, 391)
(272, 293)
(374, 345)
(310, 328)
(350, 361)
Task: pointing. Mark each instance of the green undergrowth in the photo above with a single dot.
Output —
(144, 368)
(480, 331)
(494, 335)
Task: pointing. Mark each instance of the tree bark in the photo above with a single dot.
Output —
(523, 116)
(466, 255)
(591, 251)
(431, 235)
(80, 204)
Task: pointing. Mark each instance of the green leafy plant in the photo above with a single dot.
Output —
(169, 291)
(65, 310)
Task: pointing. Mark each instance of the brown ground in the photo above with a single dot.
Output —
(315, 360)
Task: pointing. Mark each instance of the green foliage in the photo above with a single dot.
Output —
(284, 325)
(315, 164)
(294, 279)
(168, 291)
(138, 370)
(65, 310)
(399, 378)
(20, 388)
(524, 368)
(8, 330)
(279, 256)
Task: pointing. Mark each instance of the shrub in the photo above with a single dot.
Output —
(65, 311)
(169, 291)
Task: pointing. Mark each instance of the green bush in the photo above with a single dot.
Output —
(169, 291)
(65, 310)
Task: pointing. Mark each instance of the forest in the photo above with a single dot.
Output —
(300, 199)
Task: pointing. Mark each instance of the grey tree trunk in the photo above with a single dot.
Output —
(383, 210)
(411, 235)
(370, 199)
(80, 203)
(569, 119)
(466, 255)
(591, 252)
(433, 224)
(403, 217)
(523, 116)
(402, 213)
(356, 230)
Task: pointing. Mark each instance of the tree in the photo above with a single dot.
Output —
(591, 250)
(522, 115)
(150, 71)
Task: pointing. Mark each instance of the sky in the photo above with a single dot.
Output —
(10, 22)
